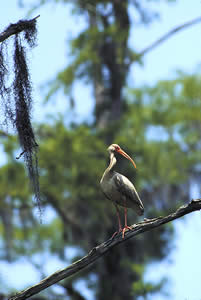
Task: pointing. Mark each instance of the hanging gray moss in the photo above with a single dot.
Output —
(16, 95)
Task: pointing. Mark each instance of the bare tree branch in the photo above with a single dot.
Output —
(16, 28)
(100, 250)
(166, 36)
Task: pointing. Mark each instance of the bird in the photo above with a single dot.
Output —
(118, 188)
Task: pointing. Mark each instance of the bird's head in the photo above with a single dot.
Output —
(116, 148)
(113, 148)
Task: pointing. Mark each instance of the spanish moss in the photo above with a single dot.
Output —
(17, 98)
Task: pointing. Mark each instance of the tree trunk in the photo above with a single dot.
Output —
(111, 71)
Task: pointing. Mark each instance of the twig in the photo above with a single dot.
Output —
(18, 157)
(167, 36)
(16, 28)
(100, 250)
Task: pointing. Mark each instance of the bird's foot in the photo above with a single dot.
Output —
(116, 232)
(124, 229)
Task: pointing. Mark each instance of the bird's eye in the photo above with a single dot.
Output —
(117, 148)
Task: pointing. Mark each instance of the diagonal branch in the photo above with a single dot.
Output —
(16, 28)
(100, 250)
(166, 36)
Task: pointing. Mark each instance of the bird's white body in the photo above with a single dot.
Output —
(121, 191)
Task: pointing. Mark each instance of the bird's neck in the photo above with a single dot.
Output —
(108, 172)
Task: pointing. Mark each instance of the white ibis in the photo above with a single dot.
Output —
(117, 188)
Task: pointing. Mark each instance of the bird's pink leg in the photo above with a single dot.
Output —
(125, 215)
(119, 222)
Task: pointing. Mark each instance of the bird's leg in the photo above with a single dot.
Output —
(125, 215)
(119, 222)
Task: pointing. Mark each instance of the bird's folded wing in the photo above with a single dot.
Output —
(126, 188)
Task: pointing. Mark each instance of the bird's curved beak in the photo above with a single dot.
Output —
(120, 151)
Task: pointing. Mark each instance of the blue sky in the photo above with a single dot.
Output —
(183, 51)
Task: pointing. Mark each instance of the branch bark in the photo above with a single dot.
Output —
(16, 28)
(100, 250)
(166, 36)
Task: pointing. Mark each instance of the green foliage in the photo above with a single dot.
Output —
(65, 158)
(12, 175)
(72, 161)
